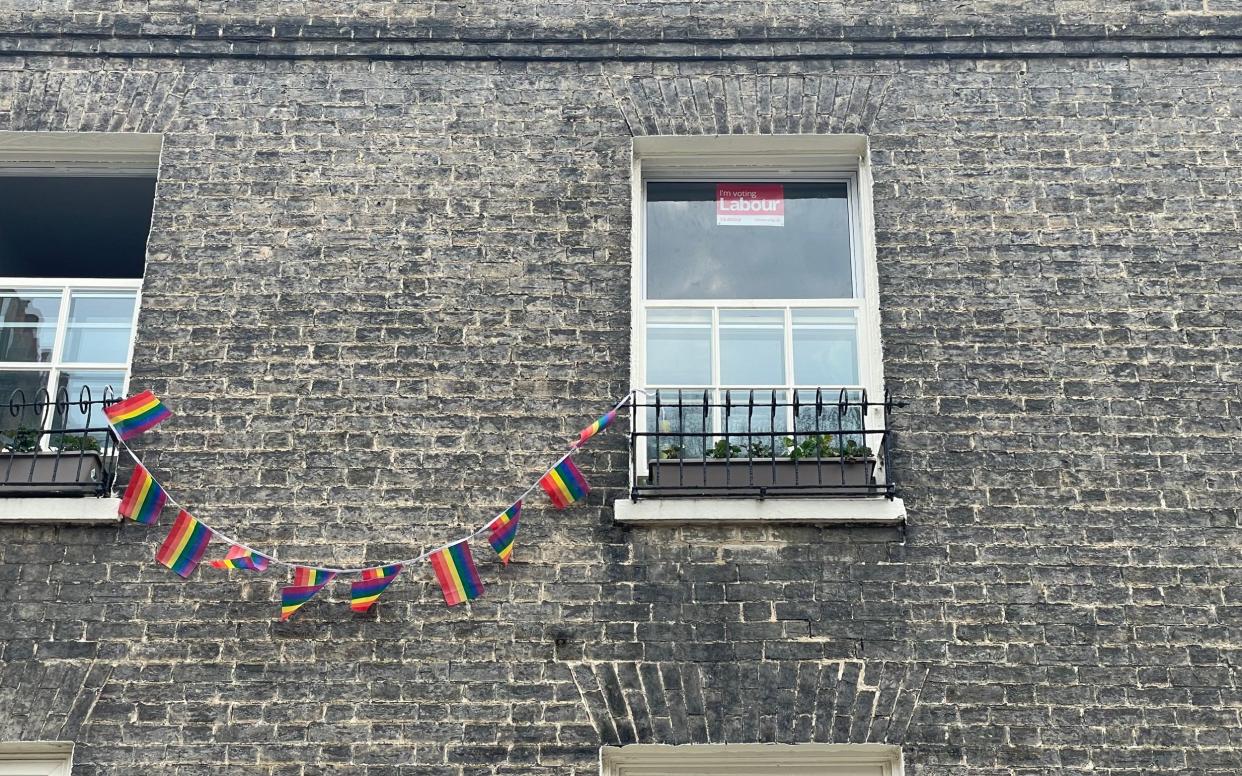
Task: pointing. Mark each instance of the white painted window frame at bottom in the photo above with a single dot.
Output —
(60, 510)
(45, 758)
(808, 511)
(766, 157)
(752, 760)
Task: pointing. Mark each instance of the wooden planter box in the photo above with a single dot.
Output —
(686, 475)
(38, 474)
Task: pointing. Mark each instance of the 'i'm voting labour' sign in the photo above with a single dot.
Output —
(750, 204)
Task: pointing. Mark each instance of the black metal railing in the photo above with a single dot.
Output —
(55, 445)
(761, 444)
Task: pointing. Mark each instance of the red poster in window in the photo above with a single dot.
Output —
(750, 204)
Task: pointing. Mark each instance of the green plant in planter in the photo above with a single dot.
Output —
(723, 449)
(21, 440)
(759, 450)
(77, 442)
(672, 452)
(822, 446)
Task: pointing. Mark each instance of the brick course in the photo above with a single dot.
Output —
(382, 294)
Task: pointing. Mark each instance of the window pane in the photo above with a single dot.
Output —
(756, 428)
(99, 327)
(70, 416)
(826, 420)
(825, 347)
(19, 424)
(752, 347)
(679, 425)
(679, 347)
(28, 325)
(691, 256)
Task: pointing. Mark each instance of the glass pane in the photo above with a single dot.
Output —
(99, 327)
(71, 418)
(693, 252)
(825, 347)
(28, 325)
(752, 347)
(679, 347)
(822, 428)
(19, 424)
(678, 427)
(757, 429)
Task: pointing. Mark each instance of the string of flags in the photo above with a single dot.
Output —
(187, 543)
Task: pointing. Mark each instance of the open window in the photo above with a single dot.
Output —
(75, 212)
(756, 320)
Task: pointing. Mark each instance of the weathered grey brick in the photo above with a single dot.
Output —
(383, 291)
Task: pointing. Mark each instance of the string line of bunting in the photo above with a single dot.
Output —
(187, 543)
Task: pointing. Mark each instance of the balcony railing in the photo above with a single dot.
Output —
(55, 445)
(816, 443)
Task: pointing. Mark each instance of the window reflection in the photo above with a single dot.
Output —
(28, 325)
(689, 256)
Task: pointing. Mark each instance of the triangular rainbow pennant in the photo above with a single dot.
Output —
(239, 557)
(306, 582)
(366, 591)
(601, 423)
(504, 531)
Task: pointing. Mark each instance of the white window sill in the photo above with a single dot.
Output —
(74, 510)
(821, 511)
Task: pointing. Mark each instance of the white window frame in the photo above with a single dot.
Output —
(46, 758)
(58, 154)
(752, 760)
(67, 287)
(832, 158)
(867, 334)
(771, 157)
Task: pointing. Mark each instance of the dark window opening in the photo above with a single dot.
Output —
(74, 227)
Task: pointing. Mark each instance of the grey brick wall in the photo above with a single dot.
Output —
(383, 291)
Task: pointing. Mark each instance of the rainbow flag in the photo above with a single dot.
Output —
(564, 484)
(239, 557)
(185, 545)
(366, 591)
(455, 571)
(130, 417)
(306, 582)
(504, 531)
(601, 423)
(144, 499)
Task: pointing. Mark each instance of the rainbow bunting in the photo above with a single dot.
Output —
(564, 484)
(306, 582)
(504, 531)
(144, 499)
(455, 571)
(601, 423)
(239, 557)
(185, 545)
(366, 591)
(130, 417)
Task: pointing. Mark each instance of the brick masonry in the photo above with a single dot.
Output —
(383, 291)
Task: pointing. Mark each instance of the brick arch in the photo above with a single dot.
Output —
(749, 104)
(846, 701)
(85, 101)
(49, 700)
